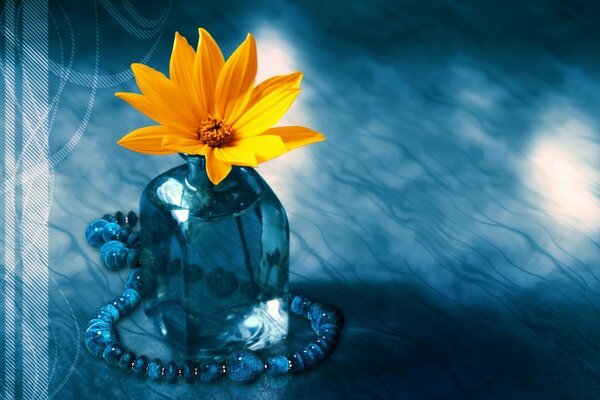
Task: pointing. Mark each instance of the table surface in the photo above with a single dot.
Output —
(452, 213)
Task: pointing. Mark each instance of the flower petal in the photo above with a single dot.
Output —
(216, 169)
(207, 65)
(143, 105)
(164, 94)
(264, 147)
(147, 140)
(236, 80)
(184, 145)
(265, 113)
(182, 62)
(237, 155)
(295, 136)
(289, 81)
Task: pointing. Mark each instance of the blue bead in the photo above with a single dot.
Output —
(94, 320)
(317, 352)
(93, 233)
(123, 305)
(126, 360)
(155, 369)
(308, 357)
(99, 324)
(112, 311)
(329, 330)
(244, 366)
(97, 338)
(171, 372)
(134, 281)
(133, 259)
(113, 255)
(120, 217)
(278, 365)
(132, 219)
(300, 304)
(111, 231)
(133, 239)
(133, 296)
(325, 314)
(296, 363)
(188, 371)
(103, 315)
(125, 232)
(109, 218)
(112, 354)
(326, 344)
(140, 366)
(210, 372)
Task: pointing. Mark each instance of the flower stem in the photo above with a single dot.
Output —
(240, 228)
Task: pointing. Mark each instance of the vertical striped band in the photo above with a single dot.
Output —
(10, 215)
(36, 198)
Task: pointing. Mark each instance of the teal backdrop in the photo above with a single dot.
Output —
(452, 214)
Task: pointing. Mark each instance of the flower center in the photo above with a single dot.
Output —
(214, 132)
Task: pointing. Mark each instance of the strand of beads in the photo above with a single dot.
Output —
(119, 247)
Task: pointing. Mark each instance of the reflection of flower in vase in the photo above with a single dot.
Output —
(221, 283)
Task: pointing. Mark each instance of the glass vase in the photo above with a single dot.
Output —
(215, 260)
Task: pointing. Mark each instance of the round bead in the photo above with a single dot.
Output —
(109, 218)
(134, 280)
(100, 325)
(325, 314)
(112, 354)
(278, 365)
(317, 352)
(188, 371)
(95, 320)
(123, 305)
(132, 219)
(126, 360)
(329, 330)
(97, 338)
(296, 363)
(103, 315)
(111, 231)
(125, 232)
(326, 344)
(244, 366)
(113, 255)
(133, 239)
(210, 372)
(140, 366)
(112, 311)
(155, 369)
(171, 372)
(308, 357)
(133, 259)
(133, 296)
(93, 233)
(120, 217)
(300, 304)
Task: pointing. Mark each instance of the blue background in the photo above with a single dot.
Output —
(452, 213)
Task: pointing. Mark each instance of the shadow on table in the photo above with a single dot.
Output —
(403, 340)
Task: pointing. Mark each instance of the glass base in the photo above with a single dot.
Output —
(250, 326)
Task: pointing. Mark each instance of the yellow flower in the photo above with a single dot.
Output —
(212, 108)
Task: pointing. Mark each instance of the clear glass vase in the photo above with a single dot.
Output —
(215, 260)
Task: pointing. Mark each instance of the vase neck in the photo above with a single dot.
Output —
(196, 177)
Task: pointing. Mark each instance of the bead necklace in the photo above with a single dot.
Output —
(119, 248)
